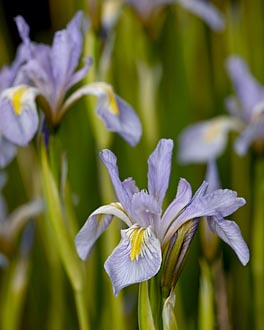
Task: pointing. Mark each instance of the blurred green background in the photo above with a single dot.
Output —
(171, 69)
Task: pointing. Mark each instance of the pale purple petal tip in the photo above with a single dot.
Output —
(248, 90)
(23, 28)
(230, 233)
(159, 168)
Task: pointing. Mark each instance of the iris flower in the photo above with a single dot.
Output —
(203, 9)
(138, 256)
(247, 105)
(9, 77)
(51, 73)
(207, 140)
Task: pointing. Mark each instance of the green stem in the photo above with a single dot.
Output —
(63, 239)
(156, 301)
(81, 309)
(145, 316)
(206, 298)
(15, 286)
(55, 319)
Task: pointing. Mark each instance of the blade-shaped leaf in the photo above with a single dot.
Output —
(145, 317)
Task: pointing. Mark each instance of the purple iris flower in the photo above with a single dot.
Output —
(203, 9)
(9, 76)
(138, 256)
(205, 141)
(51, 71)
(247, 105)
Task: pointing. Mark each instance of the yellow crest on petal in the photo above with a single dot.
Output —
(17, 99)
(212, 131)
(113, 104)
(111, 97)
(138, 237)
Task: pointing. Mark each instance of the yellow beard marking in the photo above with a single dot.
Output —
(136, 236)
(16, 99)
(212, 131)
(112, 101)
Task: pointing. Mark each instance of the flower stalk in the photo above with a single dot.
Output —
(145, 316)
(64, 244)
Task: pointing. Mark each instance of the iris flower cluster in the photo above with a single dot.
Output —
(9, 76)
(44, 76)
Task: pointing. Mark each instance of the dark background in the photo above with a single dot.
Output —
(36, 13)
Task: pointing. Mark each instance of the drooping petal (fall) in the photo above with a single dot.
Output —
(206, 140)
(117, 115)
(19, 117)
(137, 258)
(95, 225)
(230, 233)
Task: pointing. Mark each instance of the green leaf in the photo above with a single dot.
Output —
(206, 298)
(65, 246)
(145, 317)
